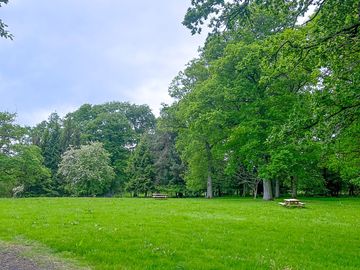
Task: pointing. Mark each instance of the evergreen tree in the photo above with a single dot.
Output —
(141, 169)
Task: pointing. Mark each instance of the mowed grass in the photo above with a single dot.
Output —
(116, 233)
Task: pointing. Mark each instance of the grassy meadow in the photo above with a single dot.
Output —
(124, 233)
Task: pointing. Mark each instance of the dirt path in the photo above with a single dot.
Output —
(17, 257)
(11, 260)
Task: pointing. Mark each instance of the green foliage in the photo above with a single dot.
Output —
(141, 169)
(10, 133)
(86, 171)
(343, 155)
(167, 162)
(21, 165)
(271, 94)
(31, 175)
(261, 17)
(51, 143)
(7, 175)
(117, 125)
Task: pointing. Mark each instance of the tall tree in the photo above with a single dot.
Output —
(141, 169)
(168, 166)
(270, 67)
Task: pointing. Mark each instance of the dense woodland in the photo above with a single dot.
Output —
(271, 106)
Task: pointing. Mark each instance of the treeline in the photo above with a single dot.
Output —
(98, 150)
(273, 97)
(270, 106)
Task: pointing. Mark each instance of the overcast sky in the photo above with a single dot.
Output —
(70, 52)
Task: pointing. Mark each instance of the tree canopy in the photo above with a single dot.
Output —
(270, 106)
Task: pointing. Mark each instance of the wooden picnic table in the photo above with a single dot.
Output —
(292, 202)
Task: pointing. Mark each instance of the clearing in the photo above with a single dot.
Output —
(231, 233)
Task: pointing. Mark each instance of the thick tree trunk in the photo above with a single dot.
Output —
(244, 190)
(267, 190)
(293, 186)
(277, 189)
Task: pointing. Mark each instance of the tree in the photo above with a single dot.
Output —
(10, 133)
(168, 166)
(262, 17)
(30, 173)
(21, 164)
(7, 175)
(48, 135)
(115, 133)
(118, 125)
(141, 169)
(283, 90)
(86, 171)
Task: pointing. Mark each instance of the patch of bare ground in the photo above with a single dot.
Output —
(31, 257)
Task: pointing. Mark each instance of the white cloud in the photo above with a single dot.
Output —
(153, 93)
(36, 116)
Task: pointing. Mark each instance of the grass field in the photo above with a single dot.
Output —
(189, 233)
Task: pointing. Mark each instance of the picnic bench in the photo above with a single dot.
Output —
(292, 202)
(159, 196)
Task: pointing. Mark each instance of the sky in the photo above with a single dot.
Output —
(68, 53)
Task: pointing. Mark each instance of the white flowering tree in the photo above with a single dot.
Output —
(86, 171)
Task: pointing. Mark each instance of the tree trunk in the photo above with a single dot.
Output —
(256, 190)
(267, 190)
(277, 189)
(351, 190)
(293, 186)
(244, 190)
(209, 193)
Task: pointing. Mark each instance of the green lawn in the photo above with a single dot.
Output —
(189, 233)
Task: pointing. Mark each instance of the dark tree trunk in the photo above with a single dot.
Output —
(277, 189)
(351, 190)
(267, 195)
(293, 186)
